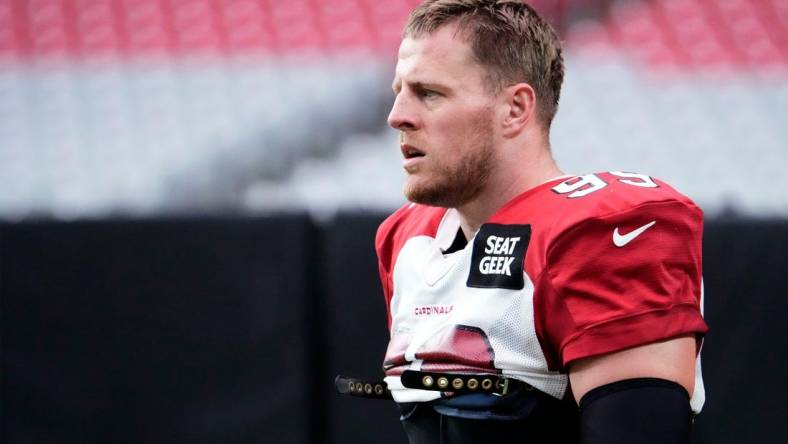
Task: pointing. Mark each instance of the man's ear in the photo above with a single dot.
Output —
(520, 100)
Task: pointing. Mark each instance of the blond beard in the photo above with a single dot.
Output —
(454, 185)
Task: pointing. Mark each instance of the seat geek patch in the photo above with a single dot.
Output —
(498, 255)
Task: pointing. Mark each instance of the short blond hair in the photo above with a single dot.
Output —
(507, 38)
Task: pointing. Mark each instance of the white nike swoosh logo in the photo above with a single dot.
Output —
(621, 240)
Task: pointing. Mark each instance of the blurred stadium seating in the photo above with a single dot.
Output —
(144, 107)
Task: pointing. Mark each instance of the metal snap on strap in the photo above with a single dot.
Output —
(364, 389)
(461, 383)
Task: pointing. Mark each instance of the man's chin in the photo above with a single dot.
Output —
(431, 196)
(422, 195)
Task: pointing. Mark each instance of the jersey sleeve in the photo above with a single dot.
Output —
(629, 278)
(384, 250)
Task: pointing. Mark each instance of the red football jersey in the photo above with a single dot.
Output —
(573, 268)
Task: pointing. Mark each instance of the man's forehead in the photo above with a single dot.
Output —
(437, 42)
(442, 48)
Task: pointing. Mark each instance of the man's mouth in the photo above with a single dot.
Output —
(410, 152)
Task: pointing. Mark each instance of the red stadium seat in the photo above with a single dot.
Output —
(346, 26)
(590, 37)
(145, 27)
(387, 19)
(246, 26)
(641, 34)
(98, 27)
(296, 26)
(11, 42)
(195, 26)
(50, 31)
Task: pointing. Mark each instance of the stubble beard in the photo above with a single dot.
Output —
(453, 185)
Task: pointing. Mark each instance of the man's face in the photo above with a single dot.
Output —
(444, 114)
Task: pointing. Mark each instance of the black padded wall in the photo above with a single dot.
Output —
(232, 330)
(745, 267)
(356, 331)
(161, 331)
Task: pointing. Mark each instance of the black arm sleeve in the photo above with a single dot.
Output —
(642, 410)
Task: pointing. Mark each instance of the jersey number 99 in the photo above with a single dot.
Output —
(584, 185)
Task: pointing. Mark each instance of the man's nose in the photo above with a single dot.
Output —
(402, 116)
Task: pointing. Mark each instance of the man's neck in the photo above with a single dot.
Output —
(510, 180)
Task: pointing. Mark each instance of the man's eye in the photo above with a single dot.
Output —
(427, 94)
